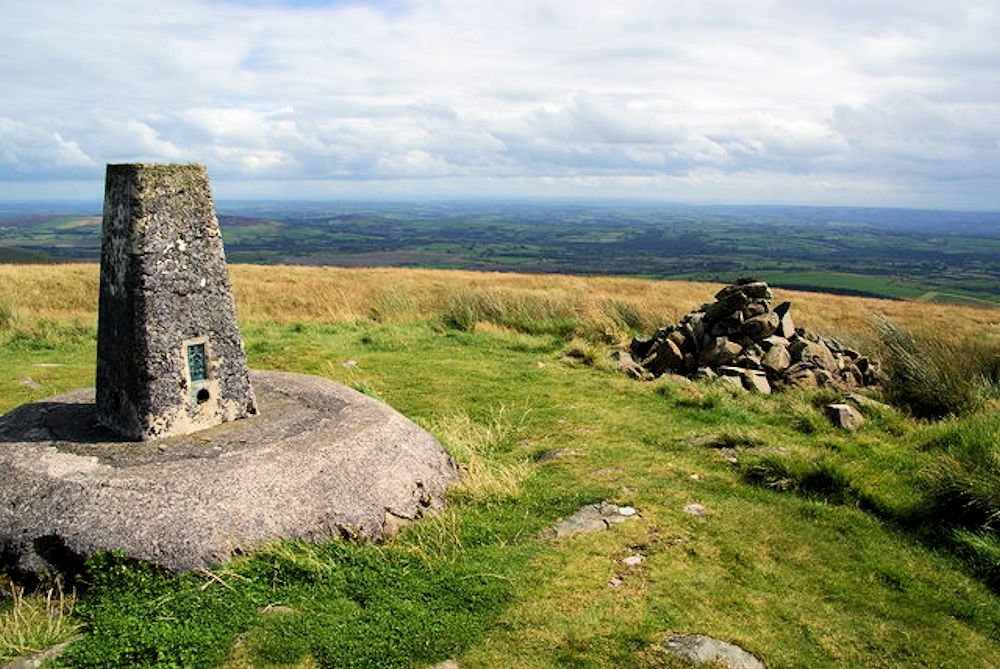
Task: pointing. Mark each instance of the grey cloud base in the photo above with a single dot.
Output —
(321, 461)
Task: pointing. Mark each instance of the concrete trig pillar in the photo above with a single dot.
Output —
(169, 355)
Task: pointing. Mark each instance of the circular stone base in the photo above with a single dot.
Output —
(320, 461)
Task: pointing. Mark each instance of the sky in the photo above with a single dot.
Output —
(828, 102)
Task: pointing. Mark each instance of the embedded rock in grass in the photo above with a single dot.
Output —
(591, 518)
(42, 657)
(844, 416)
(699, 648)
(625, 363)
(30, 383)
(551, 454)
(447, 664)
(695, 509)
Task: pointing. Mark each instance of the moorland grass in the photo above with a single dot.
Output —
(30, 623)
(935, 374)
(817, 548)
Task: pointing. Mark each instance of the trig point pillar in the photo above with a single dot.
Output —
(169, 355)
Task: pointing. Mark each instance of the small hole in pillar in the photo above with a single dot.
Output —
(202, 395)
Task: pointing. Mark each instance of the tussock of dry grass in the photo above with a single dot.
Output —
(35, 622)
(476, 445)
(601, 307)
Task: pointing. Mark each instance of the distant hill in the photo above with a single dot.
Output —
(12, 254)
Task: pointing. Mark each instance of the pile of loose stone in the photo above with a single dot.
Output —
(741, 339)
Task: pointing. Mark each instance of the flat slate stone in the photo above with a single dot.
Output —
(321, 461)
(590, 518)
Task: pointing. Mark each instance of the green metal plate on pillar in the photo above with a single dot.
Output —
(196, 362)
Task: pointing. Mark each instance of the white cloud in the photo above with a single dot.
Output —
(465, 94)
(28, 151)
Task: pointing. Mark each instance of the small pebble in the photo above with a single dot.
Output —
(615, 583)
(695, 477)
(447, 664)
(350, 363)
(627, 511)
(695, 509)
(633, 560)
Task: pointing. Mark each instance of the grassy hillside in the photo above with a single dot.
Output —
(816, 548)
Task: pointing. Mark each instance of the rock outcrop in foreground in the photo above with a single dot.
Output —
(740, 338)
(322, 461)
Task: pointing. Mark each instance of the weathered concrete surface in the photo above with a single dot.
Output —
(165, 300)
(322, 461)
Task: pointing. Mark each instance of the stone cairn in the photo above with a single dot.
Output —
(741, 339)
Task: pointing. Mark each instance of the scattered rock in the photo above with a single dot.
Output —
(756, 382)
(844, 416)
(591, 518)
(447, 664)
(734, 381)
(860, 400)
(730, 455)
(30, 382)
(350, 363)
(710, 440)
(551, 454)
(695, 509)
(615, 582)
(699, 648)
(751, 346)
(605, 470)
(633, 560)
(36, 660)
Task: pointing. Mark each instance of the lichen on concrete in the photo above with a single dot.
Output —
(165, 287)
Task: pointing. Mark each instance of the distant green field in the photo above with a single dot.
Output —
(852, 284)
(899, 254)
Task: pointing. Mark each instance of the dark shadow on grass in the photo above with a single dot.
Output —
(935, 526)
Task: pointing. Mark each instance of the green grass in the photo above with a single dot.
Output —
(860, 284)
(341, 604)
(804, 555)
